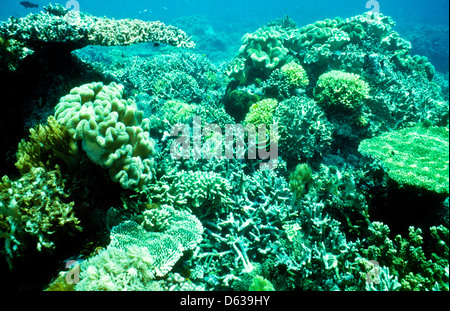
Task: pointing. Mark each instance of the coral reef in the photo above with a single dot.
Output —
(356, 199)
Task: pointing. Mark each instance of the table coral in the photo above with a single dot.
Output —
(416, 156)
(138, 256)
(56, 24)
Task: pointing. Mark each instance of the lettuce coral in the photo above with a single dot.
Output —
(113, 132)
(416, 156)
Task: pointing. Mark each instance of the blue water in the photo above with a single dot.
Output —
(238, 11)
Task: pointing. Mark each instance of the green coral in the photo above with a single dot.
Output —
(417, 156)
(237, 102)
(176, 111)
(304, 131)
(261, 52)
(296, 74)
(300, 179)
(204, 192)
(265, 47)
(113, 132)
(261, 284)
(407, 259)
(341, 91)
(48, 146)
(261, 113)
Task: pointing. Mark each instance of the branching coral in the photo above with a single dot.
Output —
(407, 259)
(303, 128)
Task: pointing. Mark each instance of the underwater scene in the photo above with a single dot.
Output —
(194, 145)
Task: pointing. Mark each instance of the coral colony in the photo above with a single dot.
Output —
(309, 157)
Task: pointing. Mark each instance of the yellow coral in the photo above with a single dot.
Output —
(300, 180)
(47, 146)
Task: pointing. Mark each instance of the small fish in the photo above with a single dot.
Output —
(145, 11)
(28, 4)
(165, 8)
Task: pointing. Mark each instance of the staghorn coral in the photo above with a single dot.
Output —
(113, 132)
(47, 146)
